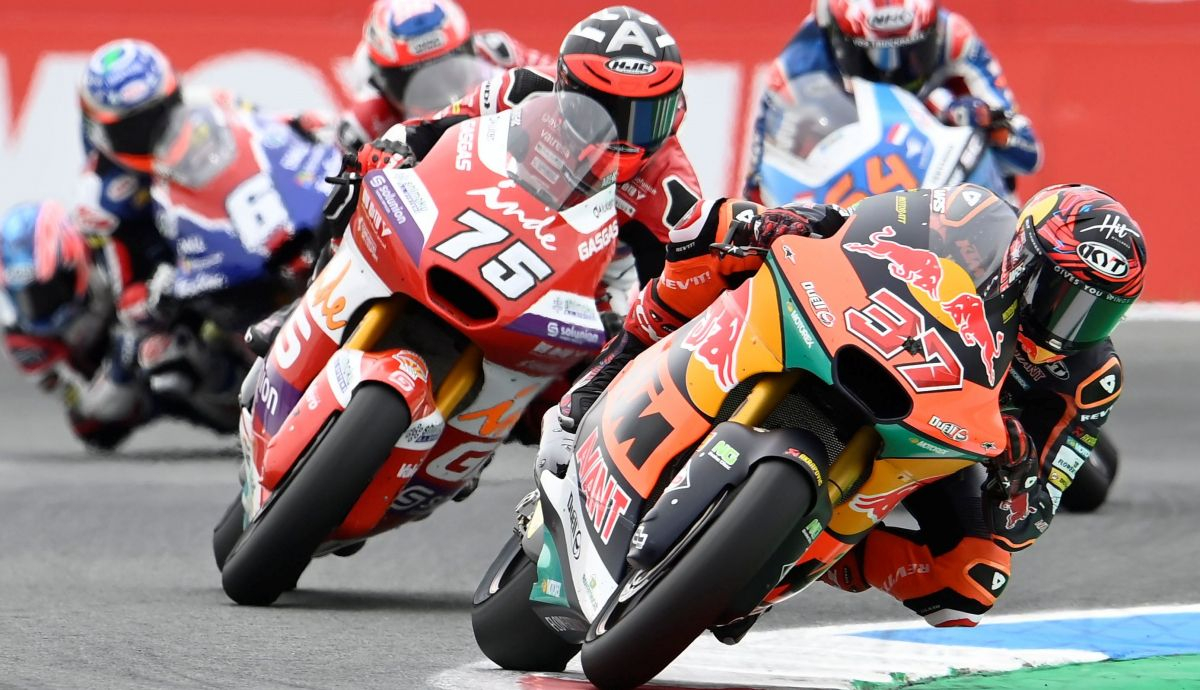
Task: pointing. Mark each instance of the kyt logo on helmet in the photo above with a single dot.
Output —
(1085, 258)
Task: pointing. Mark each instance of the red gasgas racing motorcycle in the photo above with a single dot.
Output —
(461, 288)
(735, 461)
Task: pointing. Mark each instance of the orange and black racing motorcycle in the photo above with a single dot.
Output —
(731, 464)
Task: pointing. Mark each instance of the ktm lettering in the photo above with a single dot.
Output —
(606, 501)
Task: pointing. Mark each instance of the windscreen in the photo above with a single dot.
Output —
(196, 147)
(561, 148)
(814, 107)
(430, 87)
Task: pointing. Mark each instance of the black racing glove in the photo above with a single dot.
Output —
(1017, 507)
(616, 354)
(1015, 471)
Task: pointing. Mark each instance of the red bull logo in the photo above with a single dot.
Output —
(917, 267)
(877, 506)
(1019, 508)
(970, 318)
(714, 340)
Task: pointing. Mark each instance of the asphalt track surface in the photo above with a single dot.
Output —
(107, 577)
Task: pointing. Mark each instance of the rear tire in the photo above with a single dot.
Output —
(315, 497)
(1089, 490)
(506, 628)
(631, 643)
(228, 530)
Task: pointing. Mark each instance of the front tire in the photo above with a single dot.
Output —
(506, 628)
(1089, 490)
(228, 530)
(315, 497)
(631, 643)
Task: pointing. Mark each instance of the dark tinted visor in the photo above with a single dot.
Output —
(137, 134)
(38, 303)
(1063, 316)
(641, 122)
(901, 63)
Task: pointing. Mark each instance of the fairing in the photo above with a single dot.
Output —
(911, 283)
(823, 144)
(480, 261)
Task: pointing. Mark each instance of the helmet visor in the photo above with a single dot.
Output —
(137, 133)
(643, 123)
(44, 307)
(900, 61)
(423, 88)
(1063, 316)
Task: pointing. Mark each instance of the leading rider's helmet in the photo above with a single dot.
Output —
(127, 95)
(626, 61)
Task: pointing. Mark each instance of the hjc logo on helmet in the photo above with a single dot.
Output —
(631, 65)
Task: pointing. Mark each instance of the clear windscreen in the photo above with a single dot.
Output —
(433, 86)
(814, 107)
(561, 148)
(196, 146)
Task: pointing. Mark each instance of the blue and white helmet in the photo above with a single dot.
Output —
(126, 95)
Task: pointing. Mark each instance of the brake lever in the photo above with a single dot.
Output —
(740, 251)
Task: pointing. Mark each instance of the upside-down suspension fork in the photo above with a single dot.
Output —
(847, 470)
(458, 381)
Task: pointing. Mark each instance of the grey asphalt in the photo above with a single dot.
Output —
(107, 577)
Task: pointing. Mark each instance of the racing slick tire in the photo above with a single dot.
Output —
(315, 496)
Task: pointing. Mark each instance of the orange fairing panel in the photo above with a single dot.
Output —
(879, 314)
(737, 337)
(664, 402)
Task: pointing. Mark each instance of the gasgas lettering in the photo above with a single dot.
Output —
(491, 199)
(598, 242)
(606, 500)
(919, 268)
(465, 145)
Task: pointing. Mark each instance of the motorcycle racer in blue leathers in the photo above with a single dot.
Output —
(916, 44)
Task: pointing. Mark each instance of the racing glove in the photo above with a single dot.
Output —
(798, 218)
(1015, 471)
(969, 111)
(388, 151)
(1017, 508)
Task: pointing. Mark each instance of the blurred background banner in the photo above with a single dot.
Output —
(1111, 85)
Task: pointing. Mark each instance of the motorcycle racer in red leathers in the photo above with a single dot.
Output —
(915, 44)
(1081, 257)
(399, 38)
(626, 61)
